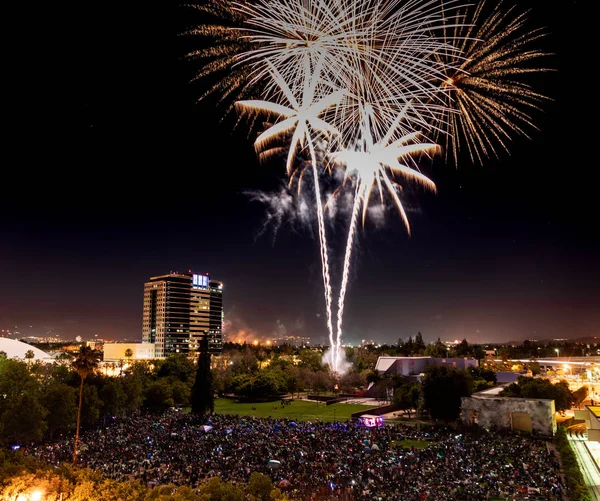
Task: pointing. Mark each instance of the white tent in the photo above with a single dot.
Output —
(17, 349)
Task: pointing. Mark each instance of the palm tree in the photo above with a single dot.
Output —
(29, 356)
(85, 363)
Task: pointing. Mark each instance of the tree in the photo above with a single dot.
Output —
(364, 359)
(407, 397)
(580, 395)
(265, 383)
(159, 395)
(21, 413)
(527, 387)
(352, 381)
(171, 492)
(217, 490)
(91, 407)
(85, 363)
(373, 376)
(478, 353)
(113, 397)
(443, 388)
(311, 359)
(60, 400)
(260, 487)
(437, 349)
(23, 419)
(203, 397)
(384, 389)
(419, 344)
(462, 349)
(178, 366)
(535, 368)
(409, 347)
(487, 375)
(29, 356)
(294, 375)
(128, 354)
(135, 378)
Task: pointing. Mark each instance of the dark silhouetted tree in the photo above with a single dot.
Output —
(443, 388)
(580, 395)
(407, 397)
(203, 398)
(437, 349)
(419, 344)
(527, 387)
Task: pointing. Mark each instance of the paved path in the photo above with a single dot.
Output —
(587, 465)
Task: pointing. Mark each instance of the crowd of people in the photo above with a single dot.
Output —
(315, 460)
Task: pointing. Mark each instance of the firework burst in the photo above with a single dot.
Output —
(219, 58)
(486, 97)
(350, 82)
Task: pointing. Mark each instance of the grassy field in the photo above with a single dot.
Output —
(299, 410)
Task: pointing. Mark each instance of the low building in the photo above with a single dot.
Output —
(114, 352)
(23, 351)
(414, 366)
(509, 376)
(489, 410)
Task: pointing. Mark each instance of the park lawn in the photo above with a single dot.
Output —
(299, 410)
(406, 444)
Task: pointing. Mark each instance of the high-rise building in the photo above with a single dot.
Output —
(215, 317)
(180, 309)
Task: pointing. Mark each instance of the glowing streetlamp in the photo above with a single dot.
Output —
(557, 352)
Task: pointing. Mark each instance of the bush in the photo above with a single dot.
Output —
(576, 487)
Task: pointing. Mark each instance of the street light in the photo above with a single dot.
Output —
(557, 352)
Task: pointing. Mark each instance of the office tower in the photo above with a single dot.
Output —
(215, 319)
(180, 309)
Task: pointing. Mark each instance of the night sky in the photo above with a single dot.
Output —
(119, 175)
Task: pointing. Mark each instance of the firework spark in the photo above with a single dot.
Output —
(220, 32)
(381, 54)
(486, 97)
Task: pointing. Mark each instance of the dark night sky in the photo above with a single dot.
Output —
(120, 175)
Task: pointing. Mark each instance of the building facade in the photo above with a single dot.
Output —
(180, 310)
(489, 410)
(413, 366)
(116, 352)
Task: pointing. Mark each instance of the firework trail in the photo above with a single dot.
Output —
(303, 118)
(369, 170)
(346, 273)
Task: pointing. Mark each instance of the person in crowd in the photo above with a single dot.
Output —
(314, 460)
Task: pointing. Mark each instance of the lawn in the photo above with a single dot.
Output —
(299, 410)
